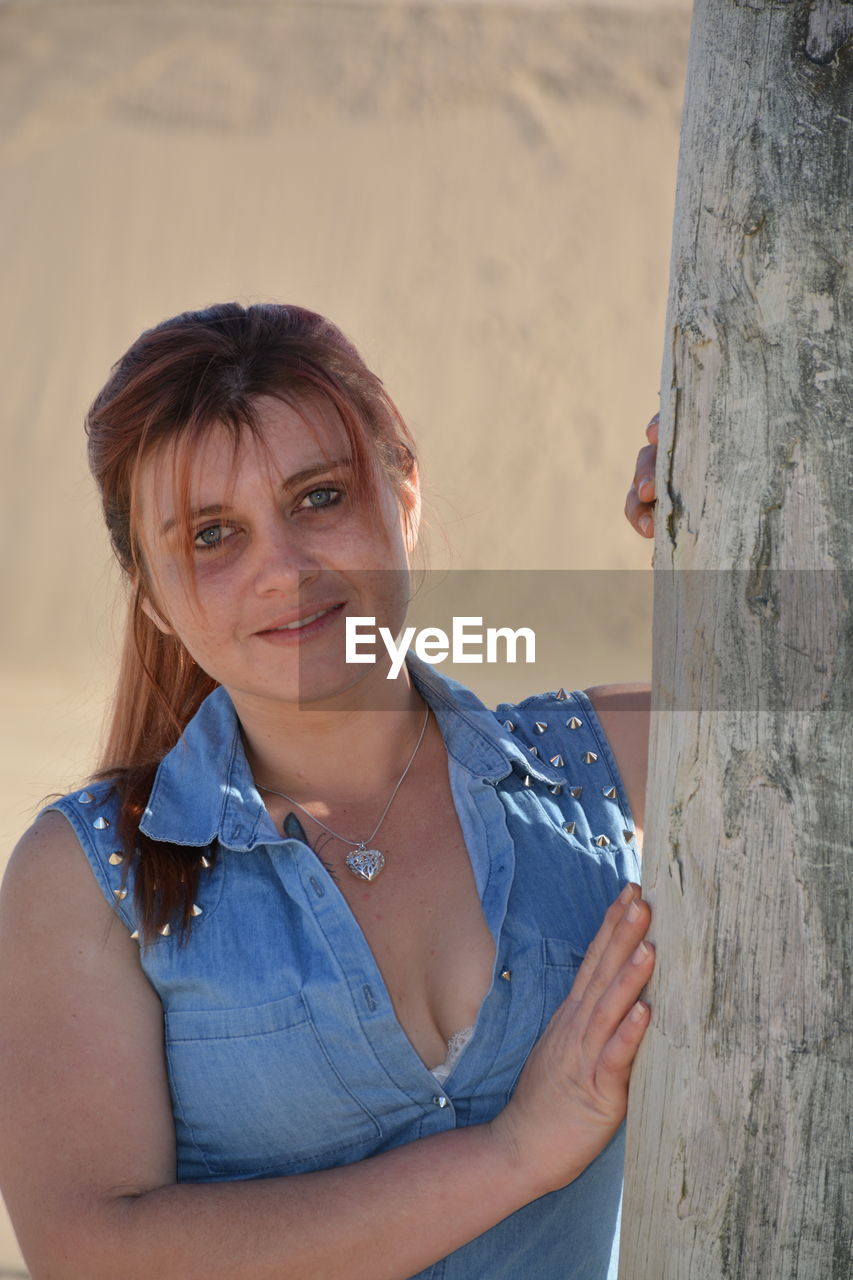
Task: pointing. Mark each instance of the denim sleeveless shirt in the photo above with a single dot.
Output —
(283, 1051)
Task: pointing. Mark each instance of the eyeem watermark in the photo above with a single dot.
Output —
(465, 643)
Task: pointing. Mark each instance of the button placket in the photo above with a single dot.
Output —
(373, 1016)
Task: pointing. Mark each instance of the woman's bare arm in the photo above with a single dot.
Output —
(87, 1156)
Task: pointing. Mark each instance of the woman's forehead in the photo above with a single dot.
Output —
(288, 439)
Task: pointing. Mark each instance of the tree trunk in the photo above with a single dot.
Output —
(739, 1124)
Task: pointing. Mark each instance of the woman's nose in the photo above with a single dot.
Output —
(283, 562)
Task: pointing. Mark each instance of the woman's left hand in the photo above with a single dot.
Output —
(572, 1093)
(640, 503)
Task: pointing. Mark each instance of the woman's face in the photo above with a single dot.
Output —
(281, 555)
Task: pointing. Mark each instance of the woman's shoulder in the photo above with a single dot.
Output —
(71, 840)
(47, 874)
(614, 717)
(48, 840)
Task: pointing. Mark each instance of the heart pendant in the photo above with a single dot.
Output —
(366, 863)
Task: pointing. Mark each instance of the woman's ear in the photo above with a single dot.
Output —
(150, 612)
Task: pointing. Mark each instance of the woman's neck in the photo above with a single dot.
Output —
(324, 752)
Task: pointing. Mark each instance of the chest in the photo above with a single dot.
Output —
(423, 922)
(421, 918)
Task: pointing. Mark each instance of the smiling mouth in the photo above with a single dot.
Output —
(299, 624)
(303, 622)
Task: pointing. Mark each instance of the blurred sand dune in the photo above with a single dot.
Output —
(480, 194)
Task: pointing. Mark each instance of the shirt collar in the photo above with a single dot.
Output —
(204, 790)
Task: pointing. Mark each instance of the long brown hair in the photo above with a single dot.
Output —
(187, 375)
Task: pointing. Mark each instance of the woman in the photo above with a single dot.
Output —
(296, 951)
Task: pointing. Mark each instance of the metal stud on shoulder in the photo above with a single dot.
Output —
(135, 935)
(120, 894)
(196, 911)
(205, 862)
(165, 931)
(508, 725)
(533, 751)
(569, 828)
(589, 757)
(628, 836)
(557, 761)
(528, 781)
(609, 793)
(101, 823)
(561, 696)
(556, 790)
(540, 726)
(85, 797)
(574, 723)
(602, 841)
(116, 859)
(577, 792)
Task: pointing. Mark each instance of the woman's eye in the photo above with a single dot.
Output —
(317, 498)
(213, 536)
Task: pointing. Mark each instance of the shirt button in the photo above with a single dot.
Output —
(506, 974)
(440, 1100)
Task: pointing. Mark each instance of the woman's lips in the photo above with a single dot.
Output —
(299, 629)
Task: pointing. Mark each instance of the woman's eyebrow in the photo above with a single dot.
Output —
(292, 482)
(307, 473)
(215, 509)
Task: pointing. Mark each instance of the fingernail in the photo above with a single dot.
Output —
(646, 524)
(633, 913)
(638, 1012)
(627, 893)
(645, 489)
(639, 956)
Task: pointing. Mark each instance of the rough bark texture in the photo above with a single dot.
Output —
(739, 1124)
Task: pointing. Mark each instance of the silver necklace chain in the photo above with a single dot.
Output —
(360, 863)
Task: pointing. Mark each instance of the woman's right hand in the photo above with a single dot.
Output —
(572, 1095)
(640, 502)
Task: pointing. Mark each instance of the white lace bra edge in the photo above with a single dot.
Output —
(457, 1042)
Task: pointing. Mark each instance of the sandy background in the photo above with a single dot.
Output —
(480, 194)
